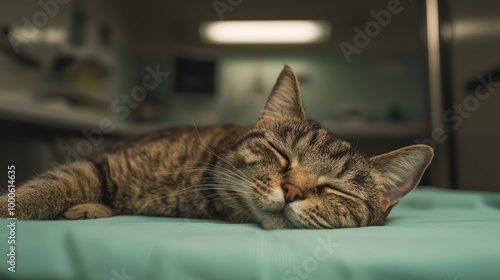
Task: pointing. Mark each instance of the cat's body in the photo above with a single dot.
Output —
(156, 174)
(284, 172)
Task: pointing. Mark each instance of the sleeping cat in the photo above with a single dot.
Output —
(284, 172)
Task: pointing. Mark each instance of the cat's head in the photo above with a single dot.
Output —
(296, 174)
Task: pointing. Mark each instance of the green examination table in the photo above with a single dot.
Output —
(431, 234)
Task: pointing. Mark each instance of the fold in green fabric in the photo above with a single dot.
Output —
(431, 234)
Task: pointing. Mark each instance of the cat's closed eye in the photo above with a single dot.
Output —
(283, 158)
(332, 189)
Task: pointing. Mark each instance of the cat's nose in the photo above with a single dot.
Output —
(292, 192)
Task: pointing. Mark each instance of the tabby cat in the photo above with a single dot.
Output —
(284, 172)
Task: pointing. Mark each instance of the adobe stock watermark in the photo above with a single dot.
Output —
(456, 115)
(309, 265)
(223, 6)
(31, 26)
(121, 276)
(120, 106)
(362, 37)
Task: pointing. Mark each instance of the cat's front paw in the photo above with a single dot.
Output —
(4, 213)
(86, 211)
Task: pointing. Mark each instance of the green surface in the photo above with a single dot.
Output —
(431, 234)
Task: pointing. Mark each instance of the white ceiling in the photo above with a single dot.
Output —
(160, 24)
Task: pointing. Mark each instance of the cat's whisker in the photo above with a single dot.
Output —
(186, 170)
(212, 187)
(226, 172)
(357, 142)
(238, 188)
(212, 169)
(231, 176)
(218, 196)
(223, 177)
(219, 157)
(215, 197)
(209, 168)
(192, 188)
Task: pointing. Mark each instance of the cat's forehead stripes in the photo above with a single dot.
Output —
(347, 165)
(329, 156)
(249, 137)
(315, 141)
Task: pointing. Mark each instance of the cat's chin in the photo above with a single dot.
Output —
(278, 220)
(275, 221)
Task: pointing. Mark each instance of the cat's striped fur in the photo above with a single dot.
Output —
(284, 172)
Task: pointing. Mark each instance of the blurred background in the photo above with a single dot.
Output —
(78, 75)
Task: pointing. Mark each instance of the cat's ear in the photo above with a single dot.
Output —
(285, 100)
(400, 171)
